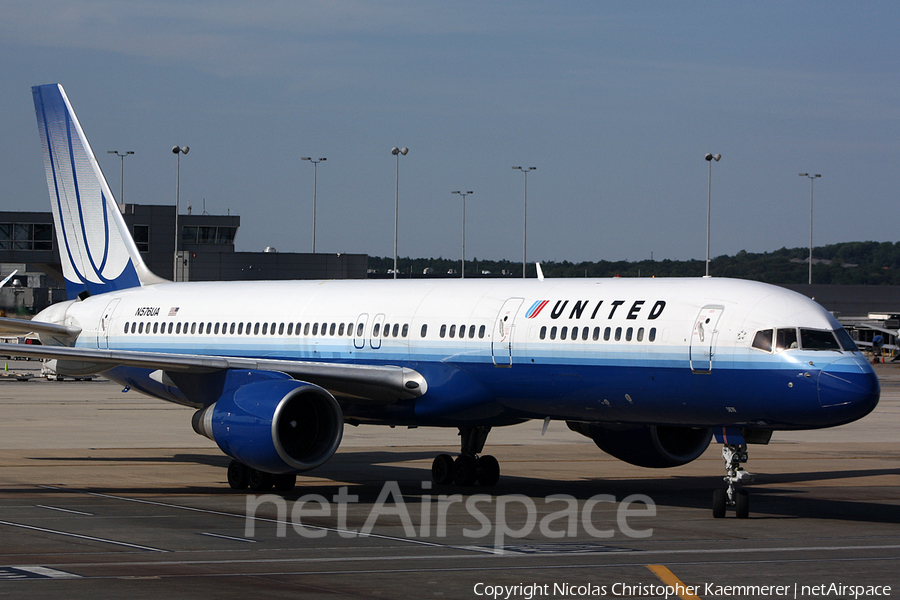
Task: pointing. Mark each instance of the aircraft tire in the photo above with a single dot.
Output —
(285, 482)
(260, 481)
(741, 504)
(488, 470)
(237, 476)
(466, 470)
(442, 470)
(719, 503)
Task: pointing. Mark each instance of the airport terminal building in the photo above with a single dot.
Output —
(205, 253)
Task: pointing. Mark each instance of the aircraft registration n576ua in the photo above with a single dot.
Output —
(650, 369)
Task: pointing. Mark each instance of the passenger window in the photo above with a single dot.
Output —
(331, 331)
(443, 330)
(141, 328)
(453, 331)
(574, 333)
(387, 329)
(281, 329)
(786, 339)
(375, 331)
(640, 334)
(424, 329)
(628, 334)
(471, 331)
(396, 329)
(340, 329)
(584, 333)
(359, 330)
(290, 330)
(562, 333)
(349, 328)
(763, 340)
(813, 339)
(618, 333)
(481, 331)
(306, 330)
(553, 333)
(606, 334)
(324, 328)
(405, 330)
(596, 335)
(208, 327)
(543, 332)
(240, 328)
(193, 328)
(178, 328)
(297, 329)
(216, 331)
(652, 337)
(127, 324)
(156, 327)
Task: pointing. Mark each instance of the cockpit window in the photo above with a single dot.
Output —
(813, 339)
(763, 340)
(786, 339)
(846, 341)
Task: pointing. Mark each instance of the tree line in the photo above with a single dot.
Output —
(848, 263)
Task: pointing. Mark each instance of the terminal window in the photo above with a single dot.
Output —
(142, 237)
(26, 236)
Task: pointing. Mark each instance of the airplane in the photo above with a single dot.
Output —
(651, 369)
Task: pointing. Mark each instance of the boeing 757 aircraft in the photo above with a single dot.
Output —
(650, 369)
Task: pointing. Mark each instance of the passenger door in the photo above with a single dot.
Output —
(703, 338)
(502, 334)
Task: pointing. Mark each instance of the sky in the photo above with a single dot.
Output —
(615, 104)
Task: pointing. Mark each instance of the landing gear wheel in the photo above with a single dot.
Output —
(285, 482)
(442, 471)
(466, 468)
(488, 470)
(237, 476)
(741, 504)
(260, 481)
(720, 500)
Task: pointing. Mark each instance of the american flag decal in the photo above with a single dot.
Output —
(173, 311)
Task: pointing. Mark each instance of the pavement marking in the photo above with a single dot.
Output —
(226, 537)
(669, 578)
(82, 537)
(65, 510)
(20, 572)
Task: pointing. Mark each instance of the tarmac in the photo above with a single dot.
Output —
(111, 494)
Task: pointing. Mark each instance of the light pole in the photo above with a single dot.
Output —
(315, 179)
(122, 174)
(812, 179)
(709, 158)
(463, 194)
(525, 219)
(397, 152)
(178, 151)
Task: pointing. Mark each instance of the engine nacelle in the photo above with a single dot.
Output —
(653, 446)
(275, 426)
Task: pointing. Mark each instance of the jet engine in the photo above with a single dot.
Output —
(274, 426)
(653, 446)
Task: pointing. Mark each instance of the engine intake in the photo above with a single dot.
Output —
(274, 426)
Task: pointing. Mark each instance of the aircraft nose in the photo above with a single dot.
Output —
(849, 383)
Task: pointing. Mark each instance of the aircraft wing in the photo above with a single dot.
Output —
(23, 327)
(380, 383)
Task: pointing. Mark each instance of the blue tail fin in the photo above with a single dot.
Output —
(97, 253)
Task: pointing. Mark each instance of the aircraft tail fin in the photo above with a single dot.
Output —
(96, 251)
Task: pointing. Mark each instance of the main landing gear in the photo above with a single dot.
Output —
(468, 468)
(240, 477)
(734, 455)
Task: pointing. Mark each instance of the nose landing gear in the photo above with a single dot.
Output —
(734, 455)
